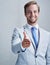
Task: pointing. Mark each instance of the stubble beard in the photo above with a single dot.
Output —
(32, 22)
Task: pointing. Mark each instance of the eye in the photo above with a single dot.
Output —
(28, 12)
(35, 11)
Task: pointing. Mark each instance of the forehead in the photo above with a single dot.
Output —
(32, 7)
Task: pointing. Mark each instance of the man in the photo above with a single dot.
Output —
(31, 42)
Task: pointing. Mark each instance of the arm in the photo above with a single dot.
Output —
(48, 54)
(16, 42)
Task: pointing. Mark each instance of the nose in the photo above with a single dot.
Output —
(32, 13)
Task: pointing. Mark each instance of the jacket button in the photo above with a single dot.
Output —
(35, 56)
(18, 52)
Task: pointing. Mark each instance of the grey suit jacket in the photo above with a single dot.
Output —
(31, 56)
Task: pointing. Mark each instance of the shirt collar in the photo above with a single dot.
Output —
(36, 26)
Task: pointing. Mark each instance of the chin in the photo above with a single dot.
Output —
(32, 21)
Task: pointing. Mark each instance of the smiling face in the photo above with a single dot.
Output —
(32, 14)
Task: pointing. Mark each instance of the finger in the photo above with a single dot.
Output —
(27, 45)
(24, 35)
(27, 40)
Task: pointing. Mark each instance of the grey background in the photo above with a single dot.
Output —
(12, 15)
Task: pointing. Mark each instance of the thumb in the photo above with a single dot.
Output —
(24, 35)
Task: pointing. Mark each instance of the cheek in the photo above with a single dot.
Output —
(37, 15)
(28, 16)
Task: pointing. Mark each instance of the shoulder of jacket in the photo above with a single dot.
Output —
(45, 31)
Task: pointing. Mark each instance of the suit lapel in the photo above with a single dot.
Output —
(42, 43)
(28, 32)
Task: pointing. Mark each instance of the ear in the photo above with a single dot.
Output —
(25, 15)
(38, 14)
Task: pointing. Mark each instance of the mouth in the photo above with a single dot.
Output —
(32, 18)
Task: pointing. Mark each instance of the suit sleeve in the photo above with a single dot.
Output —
(16, 42)
(48, 54)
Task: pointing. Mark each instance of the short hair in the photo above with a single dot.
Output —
(30, 3)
